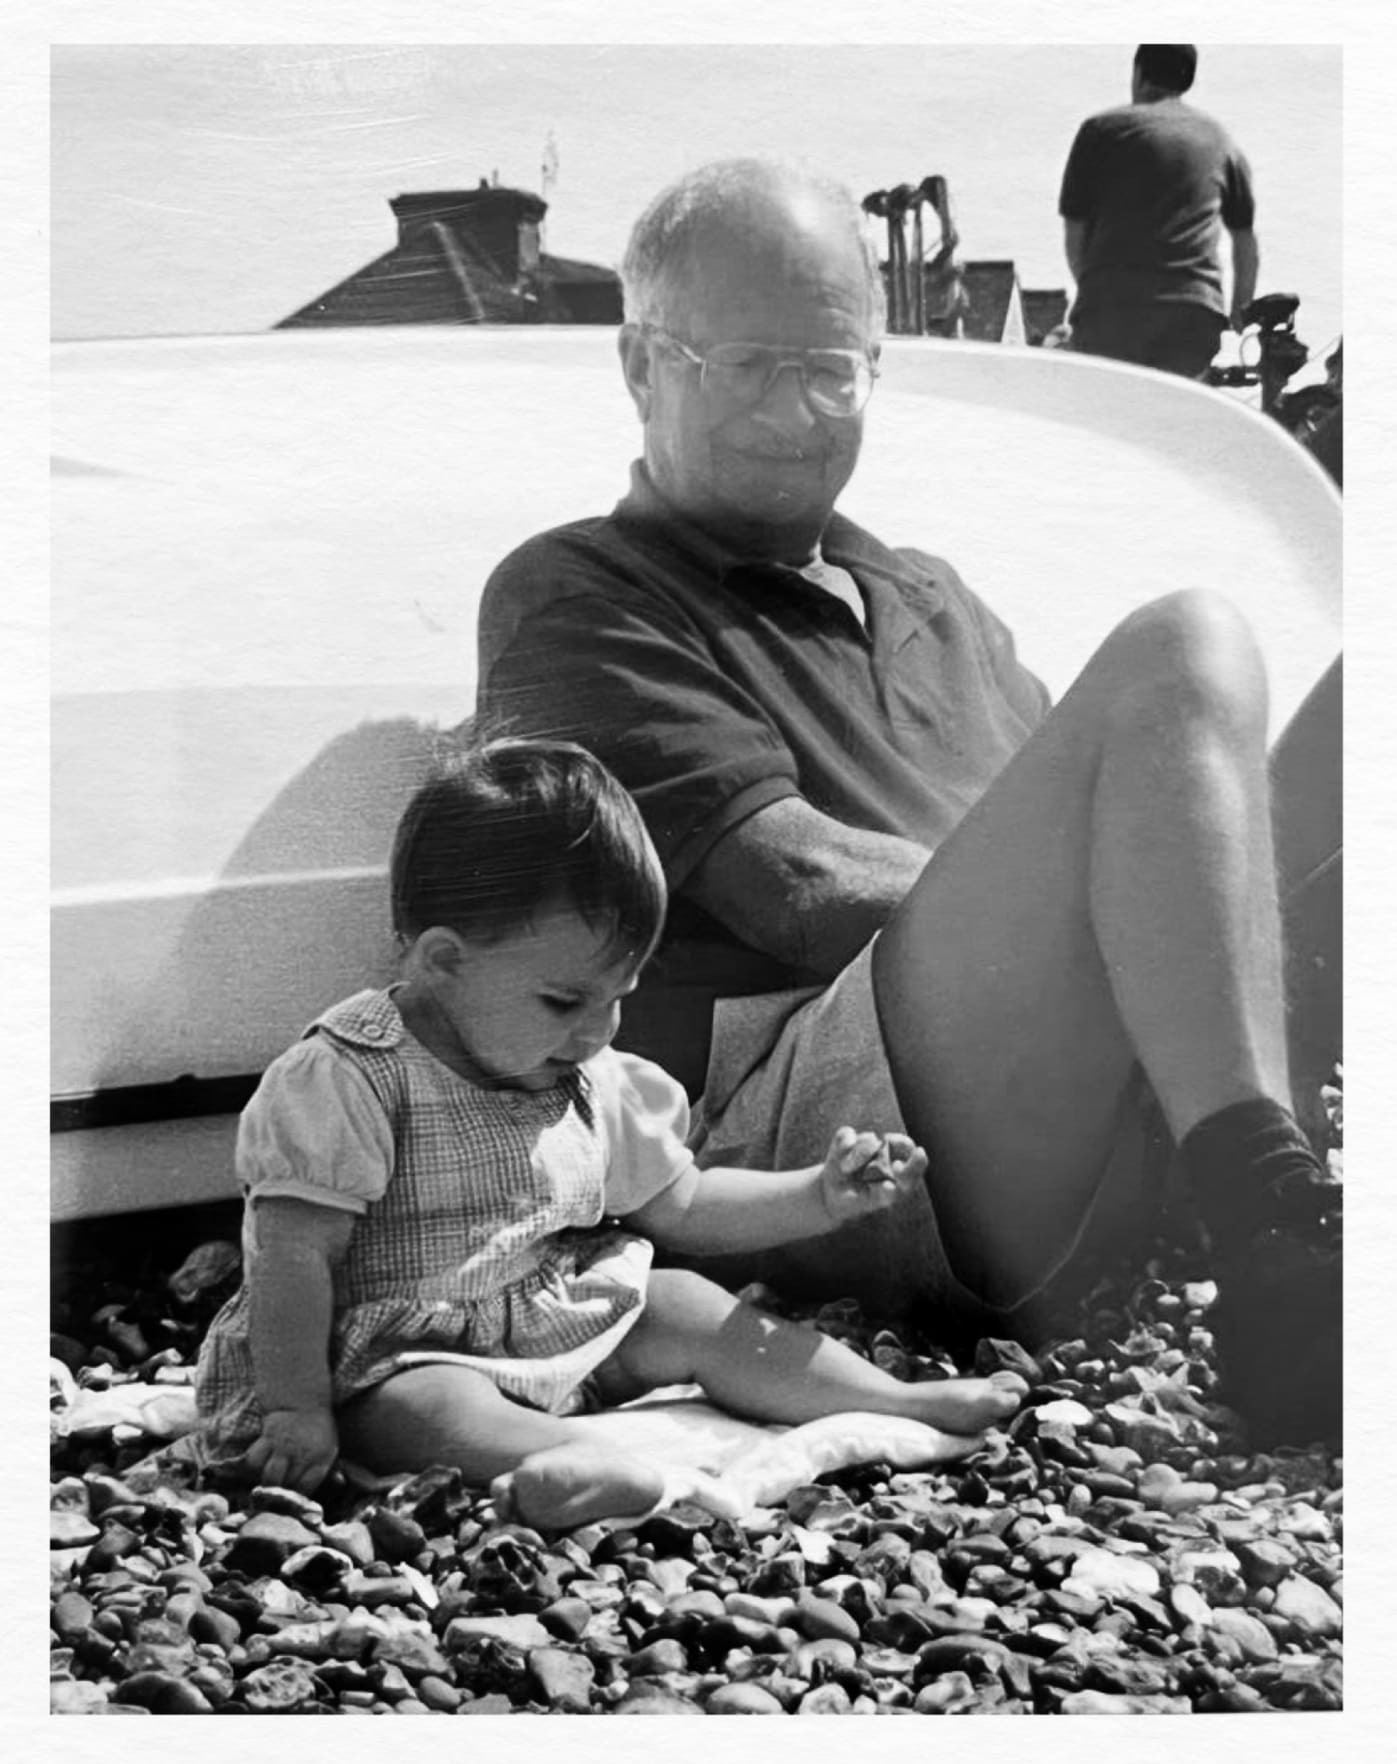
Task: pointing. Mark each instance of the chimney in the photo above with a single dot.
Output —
(501, 225)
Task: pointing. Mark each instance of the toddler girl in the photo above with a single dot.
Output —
(433, 1272)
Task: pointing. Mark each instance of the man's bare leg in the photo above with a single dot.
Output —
(1110, 898)
(1307, 814)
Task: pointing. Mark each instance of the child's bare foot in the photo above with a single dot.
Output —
(570, 1485)
(965, 1405)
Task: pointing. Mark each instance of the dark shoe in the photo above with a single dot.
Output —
(1279, 1332)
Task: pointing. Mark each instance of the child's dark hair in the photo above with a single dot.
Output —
(510, 827)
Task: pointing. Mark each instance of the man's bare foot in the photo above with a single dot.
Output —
(965, 1405)
(570, 1485)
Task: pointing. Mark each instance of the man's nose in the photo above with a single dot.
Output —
(785, 402)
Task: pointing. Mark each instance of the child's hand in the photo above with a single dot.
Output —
(867, 1172)
(295, 1449)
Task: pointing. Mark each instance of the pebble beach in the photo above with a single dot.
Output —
(1118, 1548)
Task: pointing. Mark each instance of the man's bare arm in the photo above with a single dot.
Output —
(805, 888)
(1074, 241)
(1246, 258)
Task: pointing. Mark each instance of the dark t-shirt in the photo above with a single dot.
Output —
(1153, 182)
(713, 686)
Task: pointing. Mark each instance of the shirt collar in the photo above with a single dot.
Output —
(842, 542)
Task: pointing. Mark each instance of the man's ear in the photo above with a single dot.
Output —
(634, 348)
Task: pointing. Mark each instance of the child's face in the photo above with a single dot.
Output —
(534, 1004)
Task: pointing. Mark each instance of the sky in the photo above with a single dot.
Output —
(217, 187)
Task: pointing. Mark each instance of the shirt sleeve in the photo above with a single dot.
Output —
(603, 662)
(315, 1131)
(647, 1117)
(1077, 198)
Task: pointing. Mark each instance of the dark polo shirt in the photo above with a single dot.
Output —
(714, 685)
(1152, 182)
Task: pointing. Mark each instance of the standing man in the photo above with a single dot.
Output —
(903, 889)
(1147, 190)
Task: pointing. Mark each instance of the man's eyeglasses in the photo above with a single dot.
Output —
(837, 382)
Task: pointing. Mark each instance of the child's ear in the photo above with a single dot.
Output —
(440, 953)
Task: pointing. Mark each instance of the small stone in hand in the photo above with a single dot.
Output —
(879, 1167)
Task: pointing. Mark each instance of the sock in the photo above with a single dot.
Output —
(1249, 1165)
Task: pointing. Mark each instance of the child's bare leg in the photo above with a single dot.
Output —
(442, 1414)
(772, 1370)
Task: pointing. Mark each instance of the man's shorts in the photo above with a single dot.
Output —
(787, 1069)
(1178, 337)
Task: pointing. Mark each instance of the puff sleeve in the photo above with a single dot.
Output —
(315, 1131)
(646, 1116)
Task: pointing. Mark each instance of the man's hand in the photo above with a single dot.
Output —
(865, 1173)
(295, 1449)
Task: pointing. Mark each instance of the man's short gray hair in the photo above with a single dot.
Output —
(658, 252)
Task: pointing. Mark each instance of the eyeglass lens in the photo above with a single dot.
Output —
(835, 381)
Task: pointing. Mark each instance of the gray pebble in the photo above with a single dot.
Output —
(817, 1660)
(71, 1530)
(1265, 1561)
(265, 1542)
(658, 1657)
(351, 1538)
(1309, 1610)
(69, 1696)
(564, 1679)
(742, 1699)
(645, 1697)
(816, 1618)
(396, 1536)
(279, 1687)
(1092, 1702)
(567, 1618)
(439, 1693)
(825, 1699)
(316, 1569)
(947, 1694)
(288, 1501)
(163, 1693)
(1250, 1634)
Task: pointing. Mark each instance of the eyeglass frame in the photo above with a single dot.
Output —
(795, 358)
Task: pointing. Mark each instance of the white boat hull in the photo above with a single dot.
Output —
(268, 553)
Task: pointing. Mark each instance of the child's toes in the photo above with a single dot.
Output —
(1009, 1391)
(503, 1497)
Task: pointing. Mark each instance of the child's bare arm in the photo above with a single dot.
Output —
(724, 1209)
(291, 1301)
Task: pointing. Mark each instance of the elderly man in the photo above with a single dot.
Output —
(904, 891)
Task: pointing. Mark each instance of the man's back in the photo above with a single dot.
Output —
(1153, 182)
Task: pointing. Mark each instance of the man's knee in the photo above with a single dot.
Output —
(1188, 657)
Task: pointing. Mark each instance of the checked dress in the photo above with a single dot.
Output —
(484, 1232)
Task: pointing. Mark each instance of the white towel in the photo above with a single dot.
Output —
(725, 1464)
